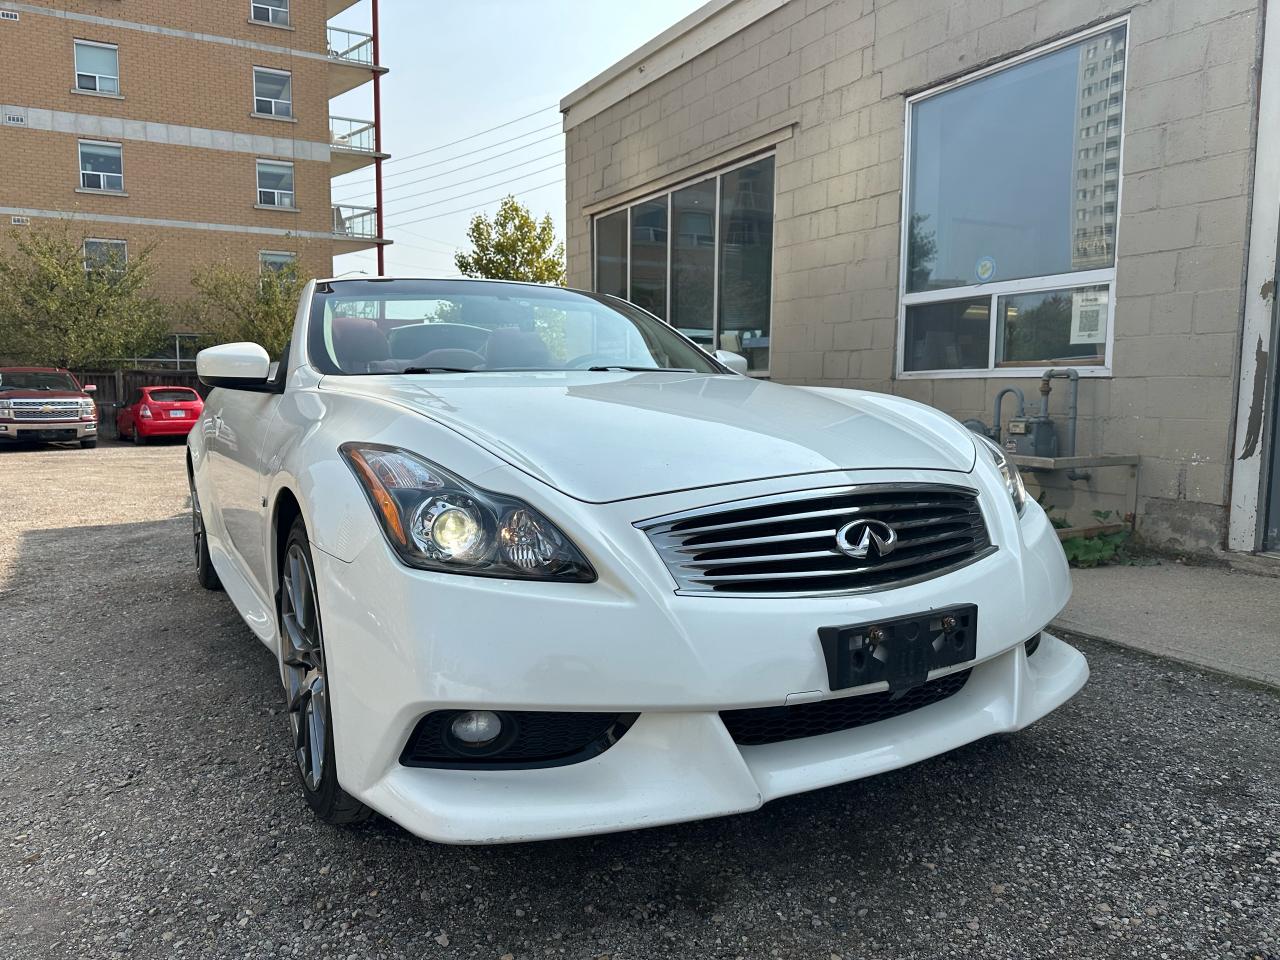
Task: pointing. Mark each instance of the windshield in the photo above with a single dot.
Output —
(443, 326)
(36, 380)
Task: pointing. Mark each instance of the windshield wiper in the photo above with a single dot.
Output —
(617, 366)
(434, 370)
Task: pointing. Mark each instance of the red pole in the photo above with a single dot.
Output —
(377, 140)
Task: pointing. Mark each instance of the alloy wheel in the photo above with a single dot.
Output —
(302, 657)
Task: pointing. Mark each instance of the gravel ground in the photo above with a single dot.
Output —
(148, 806)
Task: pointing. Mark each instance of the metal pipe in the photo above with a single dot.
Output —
(377, 141)
(1022, 409)
(1073, 408)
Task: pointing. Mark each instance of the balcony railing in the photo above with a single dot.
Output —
(355, 223)
(347, 133)
(350, 46)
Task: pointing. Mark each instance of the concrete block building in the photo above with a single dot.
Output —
(202, 128)
(945, 198)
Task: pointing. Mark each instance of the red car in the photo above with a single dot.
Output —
(158, 412)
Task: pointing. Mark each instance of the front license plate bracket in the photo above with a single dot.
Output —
(900, 651)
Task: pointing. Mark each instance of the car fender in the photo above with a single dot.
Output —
(304, 459)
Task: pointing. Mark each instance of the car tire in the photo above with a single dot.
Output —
(89, 444)
(304, 674)
(138, 438)
(205, 573)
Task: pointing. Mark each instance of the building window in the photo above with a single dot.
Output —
(275, 184)
(101, 166)
(105, 256)
(996, 276)
(272, 92)
(97, 67)
(274, 12)
(699, 257)
(273, 261)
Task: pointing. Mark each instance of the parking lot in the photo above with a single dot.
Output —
(148, 806)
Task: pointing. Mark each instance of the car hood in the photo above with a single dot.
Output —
(42, 395)
(601, 437)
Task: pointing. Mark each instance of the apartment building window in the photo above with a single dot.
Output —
(700, 257)
(97, 67)
(101, 166)
(273, 261)
(105, 256)
(996, 275)
(274, 12)
(272, 92)
(275, 184)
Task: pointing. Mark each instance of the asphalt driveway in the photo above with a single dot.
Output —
(148, 807)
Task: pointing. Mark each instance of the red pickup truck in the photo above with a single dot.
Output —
(46, 403)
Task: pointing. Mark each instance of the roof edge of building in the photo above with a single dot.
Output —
(712, 23)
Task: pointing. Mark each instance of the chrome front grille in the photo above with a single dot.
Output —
(786, 545)
(46, 410)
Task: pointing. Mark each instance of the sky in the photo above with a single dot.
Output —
(459, 70)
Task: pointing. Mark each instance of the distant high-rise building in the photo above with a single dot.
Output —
(1097, 145)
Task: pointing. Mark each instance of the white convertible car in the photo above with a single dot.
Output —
(535, 565)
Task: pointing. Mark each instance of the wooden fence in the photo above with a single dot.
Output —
(115, 387)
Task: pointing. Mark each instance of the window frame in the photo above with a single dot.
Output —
(717, 175)
(76, 73)
(113, 241)
(262, 263)
(272, 114)
(288, 14)
(80, 143)
(258, 189)
(999, 288)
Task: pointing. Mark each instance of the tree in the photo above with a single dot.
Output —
(513, 246)
(233, 304)
(59, 307)
(922, 251)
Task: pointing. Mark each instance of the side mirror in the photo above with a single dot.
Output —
(235, 366)
(734, 361)
(89, 388)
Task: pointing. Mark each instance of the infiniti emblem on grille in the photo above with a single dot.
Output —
(855, 539)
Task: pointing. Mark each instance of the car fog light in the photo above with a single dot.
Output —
(476, 728)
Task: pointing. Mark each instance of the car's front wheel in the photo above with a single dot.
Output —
(304, 670)
(205, 573)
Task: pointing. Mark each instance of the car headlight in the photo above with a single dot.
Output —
(1009, 471)
(86, 408)
(435, 520)
(6, 409)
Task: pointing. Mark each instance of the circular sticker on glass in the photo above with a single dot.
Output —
(985, 269)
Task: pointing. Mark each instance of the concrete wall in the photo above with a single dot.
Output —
(837, 71)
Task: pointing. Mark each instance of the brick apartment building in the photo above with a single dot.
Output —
(946, 198)
(201, 128)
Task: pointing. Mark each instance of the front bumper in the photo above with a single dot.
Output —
(401, 643)
(48, 430)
